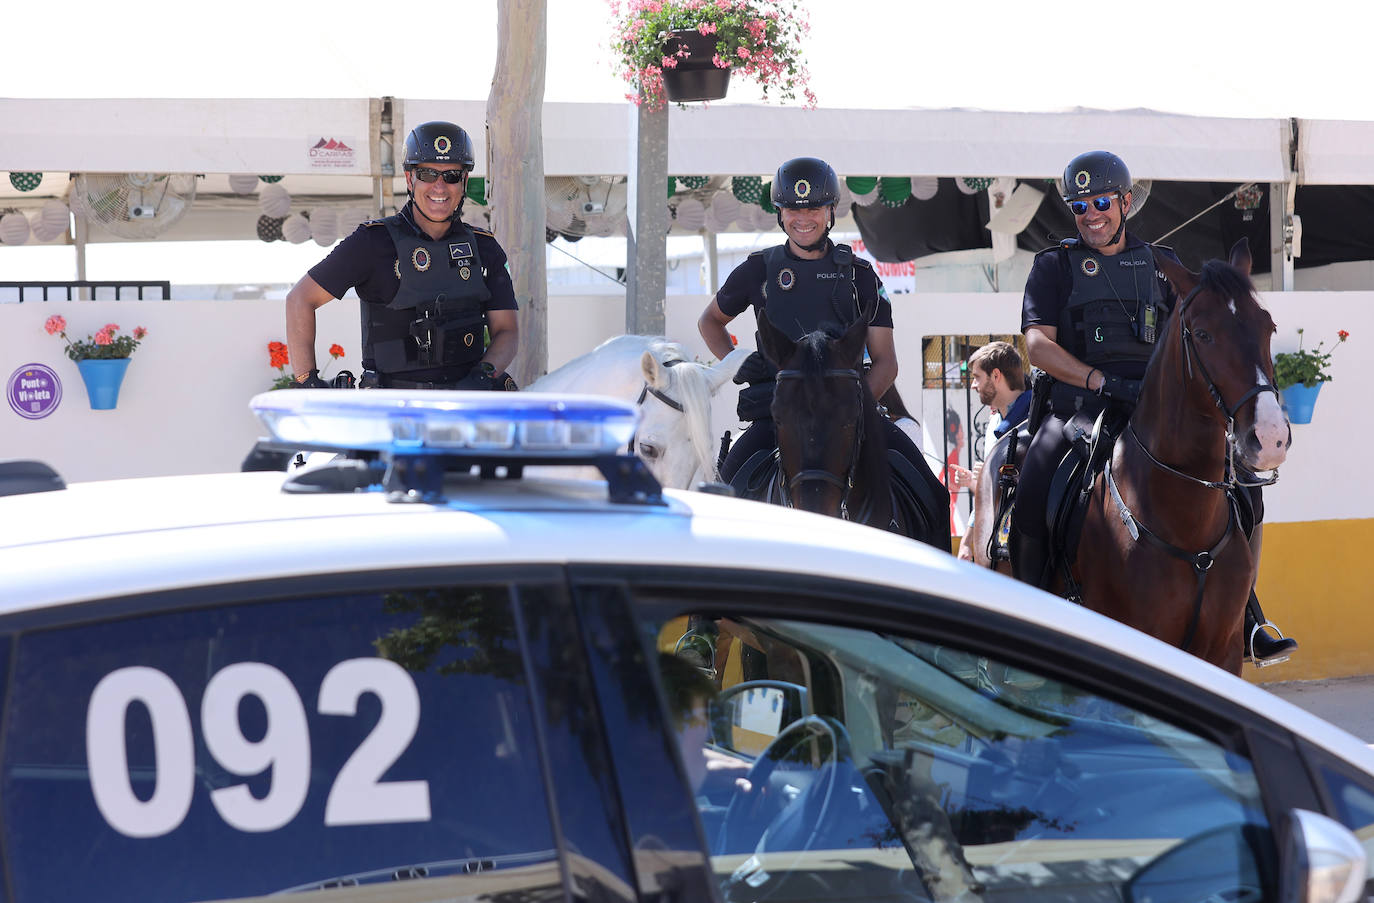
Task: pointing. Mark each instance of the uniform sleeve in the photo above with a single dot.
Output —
(869, 286)
(1166, 288)
(496, 276)
(355, 261)
(1043, 300)
(742, 286)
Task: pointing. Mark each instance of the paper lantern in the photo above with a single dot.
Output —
(843, 201)
(973, 184)
(243, 183)
(761, 220)
(893, 191)
(296, 229)
(52, 221)
(724, 210)
(766, 198)
(863, 188)
(14, 229)
(747, 189)
(690, 215)
(269, 228)
(672, 185)
(693, 183)
(350, 218)
(477, 189)
(923, 188)
(270, 179)
(26, 181)
(324, 226)
(274, 201)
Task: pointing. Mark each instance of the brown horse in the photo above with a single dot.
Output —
(1162, 548)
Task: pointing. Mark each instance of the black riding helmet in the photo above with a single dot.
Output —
(439, 142)
(805, 182)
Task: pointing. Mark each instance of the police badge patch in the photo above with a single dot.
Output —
(419, 258)
(464, 273)
(802, 188)
(786, 279)
(442, 144)
(396, 265)
(1082, 178)
(1090, 266)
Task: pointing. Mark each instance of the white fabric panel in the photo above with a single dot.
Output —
(1335, 152)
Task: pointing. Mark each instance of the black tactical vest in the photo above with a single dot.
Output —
(802, 296)
(437, 316)
(1115, 308)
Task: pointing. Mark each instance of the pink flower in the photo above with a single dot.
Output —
(112, 327)
(104, 337)
(140, 332)
(55, 324)
(707, 28)
(670, 62)
(719, 63)
(742, 53)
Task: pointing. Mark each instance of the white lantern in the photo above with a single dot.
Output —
(242, 182)
(923, 188)
(350, 218)
(274, 201)
(724, 210)
(14, 229)
(296, 229)
(52, 220)
(324, 226)
(844, 202)
(690, 215)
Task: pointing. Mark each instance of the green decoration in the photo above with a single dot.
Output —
(747, 189)
(672, 185)
(977, 183)
(477, 189)
(893, 191)
(766, 198)
(270, 179)
(693, 183)
(861, 184)
(25, 181)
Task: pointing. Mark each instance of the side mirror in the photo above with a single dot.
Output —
(1322, 860)
(746, 717)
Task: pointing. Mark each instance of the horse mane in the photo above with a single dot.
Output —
(690, 385)
(1220, 277)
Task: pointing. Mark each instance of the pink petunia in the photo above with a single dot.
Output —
(140, 332)
(55, 324)
(104, 337)
(112, 327)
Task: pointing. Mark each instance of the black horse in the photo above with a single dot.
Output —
(833, 456)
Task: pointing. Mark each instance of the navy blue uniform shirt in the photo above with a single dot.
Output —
(744, 288)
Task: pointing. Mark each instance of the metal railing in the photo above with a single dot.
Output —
(73, 290)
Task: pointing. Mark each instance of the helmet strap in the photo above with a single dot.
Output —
(1120, 202)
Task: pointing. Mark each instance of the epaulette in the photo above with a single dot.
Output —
(863, 262)
(758, 252)
(374, 222)
(477, 231)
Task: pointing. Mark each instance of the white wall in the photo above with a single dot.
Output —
(184, 404)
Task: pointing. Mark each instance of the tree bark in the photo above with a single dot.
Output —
(515, 171)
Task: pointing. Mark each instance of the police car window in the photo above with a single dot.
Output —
(243, 750)
(1353, 804)
(869, 765)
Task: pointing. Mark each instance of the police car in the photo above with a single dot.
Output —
(420, 673)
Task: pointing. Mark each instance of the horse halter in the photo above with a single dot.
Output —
(661, 396)
(845, 484)
(1229, 479)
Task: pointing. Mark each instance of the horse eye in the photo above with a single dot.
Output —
(650, 452)
(1203, 336)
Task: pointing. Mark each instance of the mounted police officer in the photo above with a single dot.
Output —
(437, 305)
(805, 284)
(1093, 309)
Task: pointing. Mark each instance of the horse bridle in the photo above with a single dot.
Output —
(661, 396)
(1229, 479)
(846, 483)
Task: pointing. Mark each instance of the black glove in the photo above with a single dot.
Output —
(1113, 386)
(755, 369)
(481, 377)
(312, 381)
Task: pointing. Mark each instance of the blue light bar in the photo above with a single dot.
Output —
(509, 425)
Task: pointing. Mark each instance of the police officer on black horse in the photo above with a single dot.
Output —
(438, 308)
(1093, 309)
(806, 284)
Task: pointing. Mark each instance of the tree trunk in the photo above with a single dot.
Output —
(515, 171)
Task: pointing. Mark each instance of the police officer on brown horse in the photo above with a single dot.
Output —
(1093, 309)
(437, 304)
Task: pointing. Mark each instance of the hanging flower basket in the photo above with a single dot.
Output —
(103, 379)
(1299, 401)
(695, 77)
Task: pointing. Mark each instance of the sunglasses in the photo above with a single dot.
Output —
(425, 174)
(1103, 204)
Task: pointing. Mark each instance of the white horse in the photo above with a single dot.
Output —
(674, 393)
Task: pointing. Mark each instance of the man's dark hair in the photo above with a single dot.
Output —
(685, 686)
(1001, 356)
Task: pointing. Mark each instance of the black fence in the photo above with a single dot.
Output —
(93, 291)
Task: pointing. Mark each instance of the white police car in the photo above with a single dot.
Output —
(413, 676)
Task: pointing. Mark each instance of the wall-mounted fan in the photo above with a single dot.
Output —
(586, 205)
(135, 204)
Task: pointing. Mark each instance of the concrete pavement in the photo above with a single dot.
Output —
(1347, 702)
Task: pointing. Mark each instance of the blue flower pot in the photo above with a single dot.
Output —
(103, 378)
(1299, 400)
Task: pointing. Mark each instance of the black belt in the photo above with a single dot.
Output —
(390, 382)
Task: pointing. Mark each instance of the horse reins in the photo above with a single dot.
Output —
(845, 484)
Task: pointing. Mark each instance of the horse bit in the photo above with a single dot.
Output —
(845, 484)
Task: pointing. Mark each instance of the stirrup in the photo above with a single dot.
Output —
(1272, 660)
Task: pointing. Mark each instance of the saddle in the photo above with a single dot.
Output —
(1091, 440)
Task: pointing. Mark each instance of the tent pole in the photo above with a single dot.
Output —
(79, 233)
(712, 257)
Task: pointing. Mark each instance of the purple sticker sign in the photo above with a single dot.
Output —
(34, 391)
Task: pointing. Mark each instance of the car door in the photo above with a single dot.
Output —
(421, 736)
(861, 742)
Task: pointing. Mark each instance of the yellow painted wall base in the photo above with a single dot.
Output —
(1316, 584)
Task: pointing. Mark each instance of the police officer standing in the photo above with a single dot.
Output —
(431, 286)
(1094, 306)
(807, 283)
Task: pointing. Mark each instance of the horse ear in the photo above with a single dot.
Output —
(1240, 255)
(774, 343)
(655, 374)
(1180, 277)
